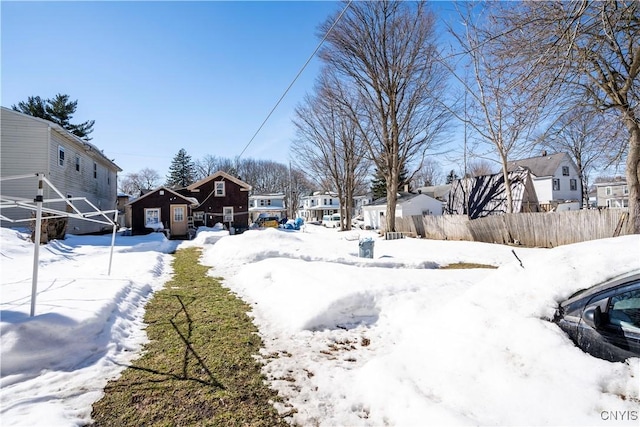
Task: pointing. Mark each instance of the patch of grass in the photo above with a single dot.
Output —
(198, 368)
(464, 265)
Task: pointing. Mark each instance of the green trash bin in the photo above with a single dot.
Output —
(366, 248)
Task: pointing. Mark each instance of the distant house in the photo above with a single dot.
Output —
(485, 195)
(75, 167)
(222, 199)
(360, 202)
(270, 204)
(439, 192)
(317, 205)
(555, 179)
(408, 204)
(162, 209)
(612, 194)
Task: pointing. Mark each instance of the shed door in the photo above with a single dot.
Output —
(178, 220)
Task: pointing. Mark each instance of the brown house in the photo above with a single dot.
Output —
(163, 210)
(222, 199)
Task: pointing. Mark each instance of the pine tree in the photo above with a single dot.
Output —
(58, 110)
(379, 184)
(182, 170)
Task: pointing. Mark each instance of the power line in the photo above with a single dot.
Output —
(294, 79)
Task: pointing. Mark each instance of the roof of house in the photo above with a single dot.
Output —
(435, 191)
(267, 196)
(402, 197)
(545, 165)
(219, 174)
(191, 200)
(88, 147)
(610, 183)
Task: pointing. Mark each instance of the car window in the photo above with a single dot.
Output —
(624, 310)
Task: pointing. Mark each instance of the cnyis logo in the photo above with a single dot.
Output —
(619, 415)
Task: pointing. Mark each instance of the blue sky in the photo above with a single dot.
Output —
(160, 76)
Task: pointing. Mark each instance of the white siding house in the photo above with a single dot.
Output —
(555, 178)
(271, 204)
(75, 167)
(408, 204)
(317, 205)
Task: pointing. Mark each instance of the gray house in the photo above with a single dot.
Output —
(555, 179)
(75, 167)
(612, 194)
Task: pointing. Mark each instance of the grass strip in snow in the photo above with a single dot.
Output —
(199, 367)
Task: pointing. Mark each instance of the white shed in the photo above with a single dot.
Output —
(408, 204)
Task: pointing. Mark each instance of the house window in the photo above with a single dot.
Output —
(625, 190)
(227, 214)
(108, 179)
(198, 216)
(219, 188)
(95, 170)
(60, 155)
(556, 184)
(178, 213)
(152, 218)
(608, 191)
(77, 163)
(565, 171)
(573, 184)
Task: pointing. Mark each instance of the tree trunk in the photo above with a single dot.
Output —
(392, 196)
(633, 174)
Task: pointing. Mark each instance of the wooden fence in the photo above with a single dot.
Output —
(543, 229)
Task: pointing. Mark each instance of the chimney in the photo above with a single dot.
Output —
(406, 188)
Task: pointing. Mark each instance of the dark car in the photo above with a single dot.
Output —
(604, 320)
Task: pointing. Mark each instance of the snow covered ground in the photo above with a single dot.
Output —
(349, 341)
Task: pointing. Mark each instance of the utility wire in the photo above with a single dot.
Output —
(294, 80)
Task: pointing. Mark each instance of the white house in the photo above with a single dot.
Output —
(408, 204)
(555, 179)
(359, 202)
(317, 205)
(78, 169)
(271, 204)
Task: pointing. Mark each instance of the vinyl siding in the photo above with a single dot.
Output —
(23, 151)
(29, 145)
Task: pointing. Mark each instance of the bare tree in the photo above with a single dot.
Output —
(299, 186)
(501, 108)
(210, 164)
(430, 173)
(386, 51)
(584, 47)
(135, 182)
(480, 167)
(591, 137)
(328, 144)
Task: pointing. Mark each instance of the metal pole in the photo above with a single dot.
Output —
(36, 245)
(113, 240)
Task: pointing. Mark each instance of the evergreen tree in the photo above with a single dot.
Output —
(182, 170)
(379, 184)
(34, 106)
(58, 110)
(451, 176)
